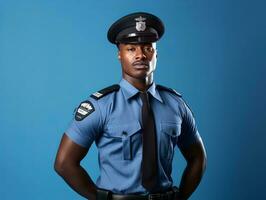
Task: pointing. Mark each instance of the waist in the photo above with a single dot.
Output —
(156, 196)
(107, 195)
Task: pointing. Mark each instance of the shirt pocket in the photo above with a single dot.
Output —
(128, 136)
(170, 132)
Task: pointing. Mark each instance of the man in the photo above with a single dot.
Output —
(135, 125)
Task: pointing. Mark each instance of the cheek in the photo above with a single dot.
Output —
(125, 60)
(153, 61)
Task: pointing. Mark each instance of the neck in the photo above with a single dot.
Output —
(141, 84)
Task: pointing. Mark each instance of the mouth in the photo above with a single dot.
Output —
(141, 65)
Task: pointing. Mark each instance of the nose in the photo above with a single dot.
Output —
(140, 54)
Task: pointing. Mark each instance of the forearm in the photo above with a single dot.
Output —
(78, 179)
(191, 178)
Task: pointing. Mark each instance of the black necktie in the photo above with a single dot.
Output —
(149, 152)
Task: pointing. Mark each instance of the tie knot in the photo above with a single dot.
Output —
(144, 97)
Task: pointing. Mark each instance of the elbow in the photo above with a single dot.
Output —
(204, 163)
(204, 159)
(199, 162)
(59, 167)
(201, 159)
(63, 166)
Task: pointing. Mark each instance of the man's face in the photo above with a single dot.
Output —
(138, 60)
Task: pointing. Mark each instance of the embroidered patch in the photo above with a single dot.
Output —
(84, 109)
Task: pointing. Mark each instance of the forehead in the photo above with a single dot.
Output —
(153, 44)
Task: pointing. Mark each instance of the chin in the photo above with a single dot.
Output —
(141, 75)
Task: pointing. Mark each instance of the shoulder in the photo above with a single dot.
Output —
(172, 96)
(105, 91)
(91, 104)
(168, 90)
(183, 105)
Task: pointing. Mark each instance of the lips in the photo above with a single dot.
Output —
(141, 65)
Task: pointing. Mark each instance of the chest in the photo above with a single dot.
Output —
(122, 130)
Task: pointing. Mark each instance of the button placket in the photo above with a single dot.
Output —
(127, 155)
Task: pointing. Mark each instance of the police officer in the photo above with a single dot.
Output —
(135, 125)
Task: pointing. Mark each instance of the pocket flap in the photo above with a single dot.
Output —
(123, 130)
(172, 129)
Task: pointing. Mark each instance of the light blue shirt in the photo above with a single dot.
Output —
(115, 125)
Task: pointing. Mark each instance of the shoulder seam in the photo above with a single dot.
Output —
(101, 93)
(173, 91)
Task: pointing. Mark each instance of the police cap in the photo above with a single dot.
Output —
(139, 27)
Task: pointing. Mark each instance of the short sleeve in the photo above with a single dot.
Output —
(86, 124)
(189, 132)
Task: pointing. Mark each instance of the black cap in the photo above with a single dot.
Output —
(139, 27)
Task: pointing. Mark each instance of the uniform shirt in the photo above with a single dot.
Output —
(114, 123)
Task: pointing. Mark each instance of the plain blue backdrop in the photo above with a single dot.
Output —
(53, 54)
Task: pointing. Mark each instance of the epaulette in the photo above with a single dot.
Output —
(105, 91)
(160, 87)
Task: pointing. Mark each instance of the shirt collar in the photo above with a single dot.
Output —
(130, 91)
(154, 92)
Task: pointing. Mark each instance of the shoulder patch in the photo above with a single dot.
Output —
(105, 91)
(160, 87)
(84, 109)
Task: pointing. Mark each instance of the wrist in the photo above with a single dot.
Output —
(92, 193)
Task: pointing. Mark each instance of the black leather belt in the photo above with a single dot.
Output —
(158, 196)
(107, 195)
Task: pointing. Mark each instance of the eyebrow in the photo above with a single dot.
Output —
(142, 44)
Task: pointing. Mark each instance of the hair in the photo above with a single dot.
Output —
(117, 45)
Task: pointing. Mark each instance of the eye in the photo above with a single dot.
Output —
(148, 49)
(131, 49)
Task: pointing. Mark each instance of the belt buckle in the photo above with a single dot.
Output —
(154, 196)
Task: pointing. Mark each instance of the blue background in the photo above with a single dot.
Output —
(53, 54)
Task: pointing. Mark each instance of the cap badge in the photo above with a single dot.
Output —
(140, 24)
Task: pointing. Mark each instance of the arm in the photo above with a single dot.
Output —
(67, 165)
(195, 156)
